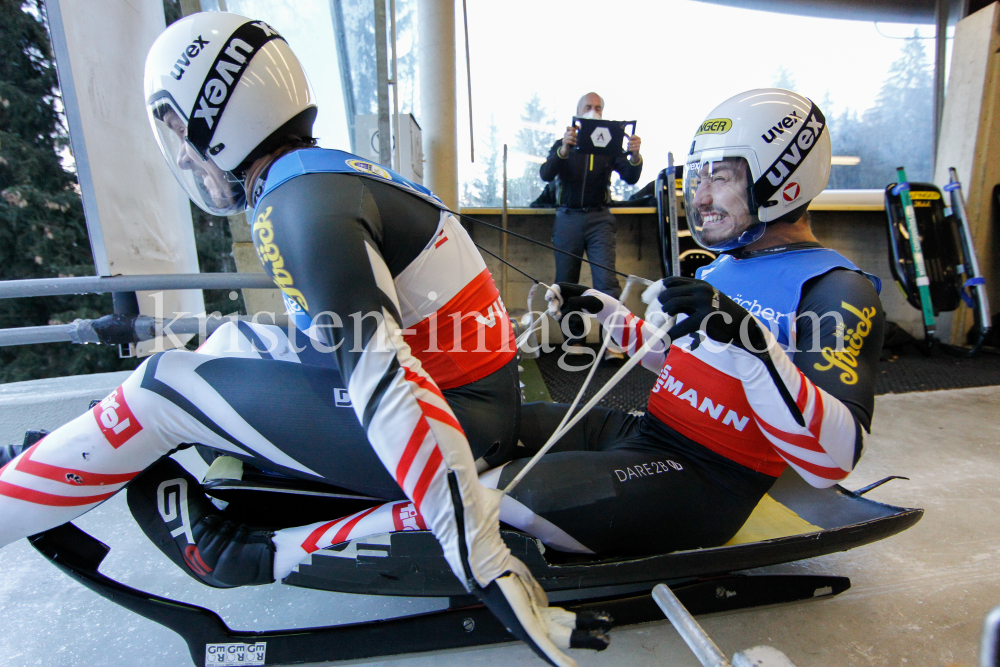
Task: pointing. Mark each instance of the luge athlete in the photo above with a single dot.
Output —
(784, 377)
(739, 398)
(371, 266)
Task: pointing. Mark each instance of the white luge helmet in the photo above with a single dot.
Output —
(758, 158)
(221, 91)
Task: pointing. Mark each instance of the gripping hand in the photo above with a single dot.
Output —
(712, 313)
(520, 604)
(654, 309)
(566, 298)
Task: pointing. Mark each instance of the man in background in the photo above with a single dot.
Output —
(583, 222)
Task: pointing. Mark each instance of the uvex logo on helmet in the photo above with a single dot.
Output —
(790, 158)
(192, 50)
(221, 79)
(785, 123)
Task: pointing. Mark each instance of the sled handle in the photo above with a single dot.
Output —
(698, 641)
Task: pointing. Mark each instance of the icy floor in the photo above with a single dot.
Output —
(916, 599)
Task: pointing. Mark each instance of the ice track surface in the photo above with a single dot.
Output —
(916, 599)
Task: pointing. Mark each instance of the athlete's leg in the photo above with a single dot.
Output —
(282, 413)
(628, 502)
(611, 487)
(599, 429)
(294, 406)
(487, 409)
(567, 235)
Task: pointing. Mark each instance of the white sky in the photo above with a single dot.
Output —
(664, 63)
(307, 25)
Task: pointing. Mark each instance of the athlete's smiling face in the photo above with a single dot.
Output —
(721, 201)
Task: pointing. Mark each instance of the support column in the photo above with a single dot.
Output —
(438, 105)
(940, 51)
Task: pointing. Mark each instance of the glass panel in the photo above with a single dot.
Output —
(307, 26)
(359, 34)
(666, 64)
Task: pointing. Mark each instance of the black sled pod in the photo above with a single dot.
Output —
(939, 241)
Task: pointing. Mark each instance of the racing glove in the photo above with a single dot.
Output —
(566, 298)
(628, 331)
(710, 312)
(521, 605)
(654, 309)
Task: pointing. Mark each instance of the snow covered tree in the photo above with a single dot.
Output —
(897, 130)
(783, 79)
(41, 214)
(487, 190)
(535, 141)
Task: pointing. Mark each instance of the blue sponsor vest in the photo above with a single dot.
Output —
(770, 286)
(325, 161)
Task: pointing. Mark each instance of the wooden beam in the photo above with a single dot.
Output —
(970, 139)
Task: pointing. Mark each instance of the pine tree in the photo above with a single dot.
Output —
(783, 79)
(492, 191)
(487, 190)
(359, 26)
(406, 43)
(903, 116)
(897, 130)
(41, 214)
(534, 141)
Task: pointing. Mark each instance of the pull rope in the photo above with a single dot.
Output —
(534, 321)
(531, 240)
(563, 428)
(567, 422)
(601, 393)
(496, 256)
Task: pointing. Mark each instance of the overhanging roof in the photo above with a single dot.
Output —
(890, 11)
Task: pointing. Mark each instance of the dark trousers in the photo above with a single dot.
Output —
(591, 232)
(626, 485)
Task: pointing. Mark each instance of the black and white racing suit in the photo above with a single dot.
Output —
(420, 342)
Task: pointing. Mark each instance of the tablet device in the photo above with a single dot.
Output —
(602, 137)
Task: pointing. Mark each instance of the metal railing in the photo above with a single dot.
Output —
(16, 289)
(121, 329)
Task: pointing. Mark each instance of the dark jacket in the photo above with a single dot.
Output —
(584, 179)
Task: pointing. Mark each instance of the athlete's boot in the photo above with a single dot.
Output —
(181, 521)
(10, 452)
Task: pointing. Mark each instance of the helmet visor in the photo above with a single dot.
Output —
(718, 202)
(214, 191)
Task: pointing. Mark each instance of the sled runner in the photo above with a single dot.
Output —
(792, 522)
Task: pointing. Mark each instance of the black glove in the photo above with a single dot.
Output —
(566, 298)
(723, 320)
(711, 312)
